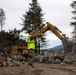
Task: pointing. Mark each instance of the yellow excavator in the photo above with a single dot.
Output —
(67, 43)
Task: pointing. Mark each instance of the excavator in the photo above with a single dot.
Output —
(67, 43)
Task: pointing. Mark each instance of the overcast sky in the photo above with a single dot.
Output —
(57, 12)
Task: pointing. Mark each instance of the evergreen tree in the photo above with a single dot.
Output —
(33, 18)
(73, 5)
(2, 18)
(11, 38)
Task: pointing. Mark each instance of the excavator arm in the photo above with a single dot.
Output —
(50, 27)
(55, 30)
(67, 43)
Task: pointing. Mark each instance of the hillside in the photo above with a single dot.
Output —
(57, 48)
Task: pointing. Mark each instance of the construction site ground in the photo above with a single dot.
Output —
(39, 69)
(57, 63)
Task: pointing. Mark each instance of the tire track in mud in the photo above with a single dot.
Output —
(39, 69)
(63, 69)
(69, 70)
(56, 69)
(37, 72)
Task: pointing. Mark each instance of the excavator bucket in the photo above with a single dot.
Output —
(68, 44)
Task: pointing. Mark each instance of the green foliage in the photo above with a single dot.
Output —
(73, 5)
(2, 18)
(33, 18)
(11, 38)
(4, 39)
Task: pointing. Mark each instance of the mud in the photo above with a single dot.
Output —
(39, 69)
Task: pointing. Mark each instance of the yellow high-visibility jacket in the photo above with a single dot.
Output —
(31, 43)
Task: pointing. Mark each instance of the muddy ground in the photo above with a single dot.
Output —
(54, 66)
(39, 69)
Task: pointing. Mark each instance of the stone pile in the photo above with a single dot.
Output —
(57, 58)
(50, 58)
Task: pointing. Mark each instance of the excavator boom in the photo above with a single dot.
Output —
(67, 43)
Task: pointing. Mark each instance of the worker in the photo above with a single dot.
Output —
(31, 48)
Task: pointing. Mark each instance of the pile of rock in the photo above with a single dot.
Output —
(50, 58)
(56, 58)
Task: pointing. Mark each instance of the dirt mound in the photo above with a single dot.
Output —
(4, 55)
